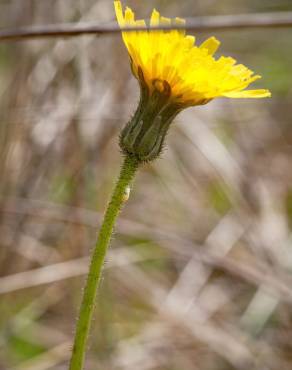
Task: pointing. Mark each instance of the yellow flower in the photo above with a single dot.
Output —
(193, 75)
(173, 74)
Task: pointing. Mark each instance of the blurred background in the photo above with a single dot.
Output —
(199, 271)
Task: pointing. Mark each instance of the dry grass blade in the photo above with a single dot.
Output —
(47, 360)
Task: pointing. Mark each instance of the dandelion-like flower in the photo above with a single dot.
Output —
(174, 73)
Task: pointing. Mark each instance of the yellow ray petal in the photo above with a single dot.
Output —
(180, 22)
(155, 17)
(260, 93)
(165, 21)
(119, 13)
(140, 23)
(129, 16)
(211, 44)
(190, 40)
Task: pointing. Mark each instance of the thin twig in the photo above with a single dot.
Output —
(198, 24)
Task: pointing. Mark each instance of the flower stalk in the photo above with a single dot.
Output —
(119, 197)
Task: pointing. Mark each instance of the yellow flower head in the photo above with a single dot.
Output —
(173, 74)
(170, 57)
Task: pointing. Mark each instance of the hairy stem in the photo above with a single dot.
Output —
(127, 173)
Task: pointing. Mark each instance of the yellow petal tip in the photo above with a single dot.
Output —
(255, 94)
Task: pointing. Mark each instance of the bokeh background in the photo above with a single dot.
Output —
(199, 272)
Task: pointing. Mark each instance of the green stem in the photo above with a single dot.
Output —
(127, 173)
